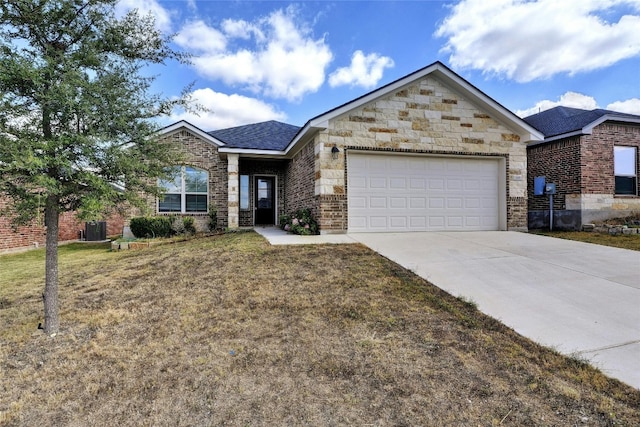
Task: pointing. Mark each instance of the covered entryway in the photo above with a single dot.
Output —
(399, 192)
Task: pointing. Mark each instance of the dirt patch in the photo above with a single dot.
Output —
(231, 331)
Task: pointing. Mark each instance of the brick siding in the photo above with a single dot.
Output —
(203, 155)
(300, 181)
(559, 162)
(34, 234)
(582, 168)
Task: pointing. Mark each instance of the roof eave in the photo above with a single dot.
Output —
(588, 129)
(253, 153)
(193, 129)
(609, 118)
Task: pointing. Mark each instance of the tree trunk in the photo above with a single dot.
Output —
(50, 296)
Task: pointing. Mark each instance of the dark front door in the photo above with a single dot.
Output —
(265, 200)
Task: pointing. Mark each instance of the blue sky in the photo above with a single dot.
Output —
(290, 61)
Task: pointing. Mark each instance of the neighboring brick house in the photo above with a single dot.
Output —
(426, 152)
(33, 235)
(592, 158)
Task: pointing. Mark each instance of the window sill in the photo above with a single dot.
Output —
(183, 213)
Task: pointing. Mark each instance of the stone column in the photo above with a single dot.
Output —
(234, 189)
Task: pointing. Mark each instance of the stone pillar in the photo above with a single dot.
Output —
(234, 189)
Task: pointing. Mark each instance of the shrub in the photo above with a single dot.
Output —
(213, 218)
(188, 224)
(300, 222)
(154, 226)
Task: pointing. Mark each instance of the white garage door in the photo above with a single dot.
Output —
(390, 193)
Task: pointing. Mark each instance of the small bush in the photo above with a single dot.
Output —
(300, 222)
(154, 226)
(213, 218)
(188, 225)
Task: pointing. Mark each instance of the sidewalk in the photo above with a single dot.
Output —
(276, 236)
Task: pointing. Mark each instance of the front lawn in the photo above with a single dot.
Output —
(631, 241)
(228, 330)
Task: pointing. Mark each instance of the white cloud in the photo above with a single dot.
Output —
(569, 99)
(630, 106)
(528, 40)
(365, 71)
(200, 37)
(145, 7)
(275, 56)
(227, 110)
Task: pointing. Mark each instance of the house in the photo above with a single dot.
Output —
(33, 235)
(592, 158)
(427, 152)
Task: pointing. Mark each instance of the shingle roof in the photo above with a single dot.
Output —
(562, 120)
(271, 135)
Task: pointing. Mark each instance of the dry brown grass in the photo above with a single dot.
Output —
(630, 241)
(231, 331)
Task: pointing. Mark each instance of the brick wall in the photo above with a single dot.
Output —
(203, 155)
(582, 168)
(597, 155)
(300, 179)
(559, 162)
(34, 234)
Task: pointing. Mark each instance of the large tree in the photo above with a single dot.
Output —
(77, 114)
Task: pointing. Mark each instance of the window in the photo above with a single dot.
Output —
(186, 191)
(244, 191)
(624, 169)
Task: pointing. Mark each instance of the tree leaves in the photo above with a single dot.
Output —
(76, 112)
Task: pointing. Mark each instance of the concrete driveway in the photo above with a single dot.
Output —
(578, 298)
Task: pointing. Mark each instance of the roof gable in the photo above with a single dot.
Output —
(560, 122)
(183, 124)
(446, 75)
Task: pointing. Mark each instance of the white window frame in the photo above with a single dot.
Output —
(625, 167)
(245, 192)
(184, 193)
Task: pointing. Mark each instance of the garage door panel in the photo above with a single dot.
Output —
(356, 202)
(398, 202)
(378, 222)
(377, 202)
(398, 183)
(377, 183)
(406, 193)
(418, 203)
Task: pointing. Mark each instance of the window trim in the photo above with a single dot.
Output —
(184, 193)
(633, 176)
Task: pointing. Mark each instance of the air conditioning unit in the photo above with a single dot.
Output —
(95, 231)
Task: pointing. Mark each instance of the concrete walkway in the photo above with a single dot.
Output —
(579, 298)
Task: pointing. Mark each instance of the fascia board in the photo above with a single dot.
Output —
(191, 128)
(243, 152)
(557, 137)
(607, 118)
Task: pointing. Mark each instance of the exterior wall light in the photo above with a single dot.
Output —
(334, 152)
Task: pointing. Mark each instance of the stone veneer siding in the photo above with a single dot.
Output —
(255, 168)
(424, 117)
(582, 168)
(203, 155)
(34, 234)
